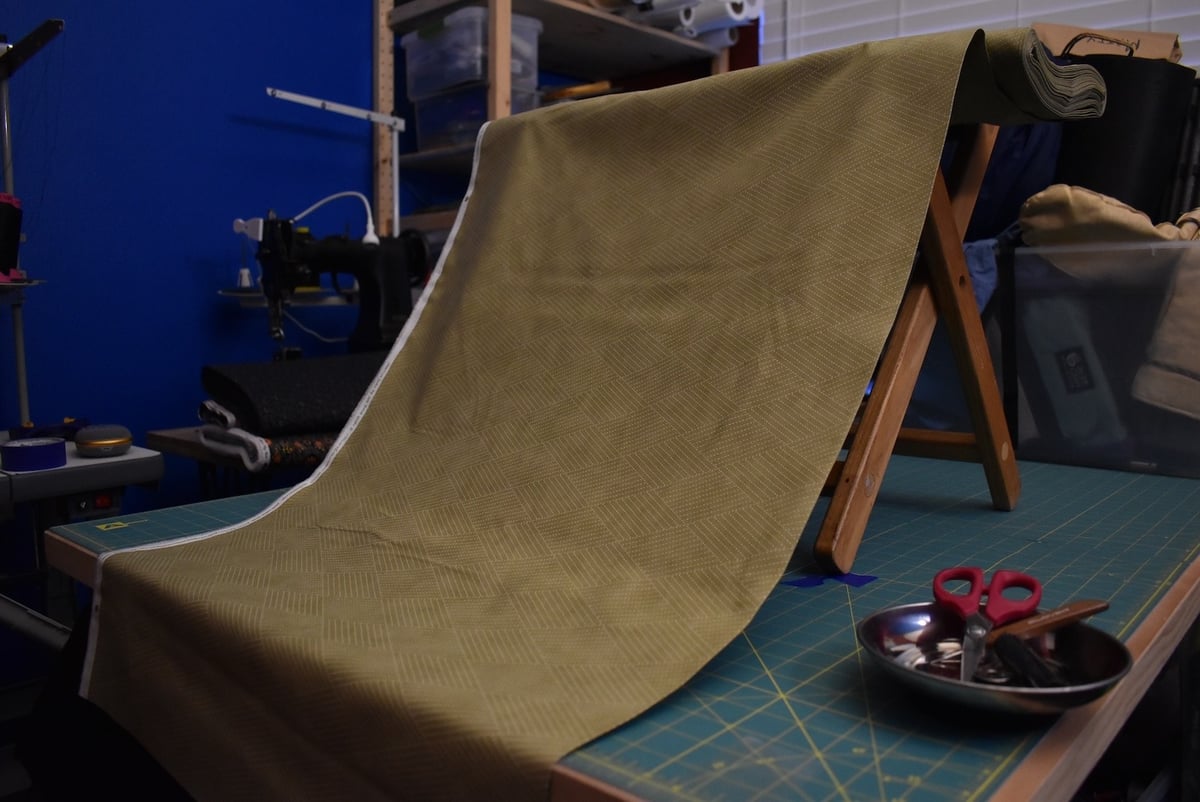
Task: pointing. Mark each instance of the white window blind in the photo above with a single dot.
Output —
(793, 28)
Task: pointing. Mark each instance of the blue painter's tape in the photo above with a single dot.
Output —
(33, 454)
(814, 580)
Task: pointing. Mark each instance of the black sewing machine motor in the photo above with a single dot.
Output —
(386, 272)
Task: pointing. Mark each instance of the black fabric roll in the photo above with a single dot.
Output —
(1185, 195)
(1130, 152)
(297, 396)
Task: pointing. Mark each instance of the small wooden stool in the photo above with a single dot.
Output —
(940, 286)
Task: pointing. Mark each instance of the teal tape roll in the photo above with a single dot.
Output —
(33, 454)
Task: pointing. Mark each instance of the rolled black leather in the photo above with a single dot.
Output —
(296, 396)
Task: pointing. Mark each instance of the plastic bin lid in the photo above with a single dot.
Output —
(481, 13)
(469, 14)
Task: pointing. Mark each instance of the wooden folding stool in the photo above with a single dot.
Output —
(940, 286)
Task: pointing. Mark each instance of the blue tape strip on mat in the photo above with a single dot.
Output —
(814, 580)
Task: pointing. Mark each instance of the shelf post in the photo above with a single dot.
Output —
(499, 59)
(384, 153)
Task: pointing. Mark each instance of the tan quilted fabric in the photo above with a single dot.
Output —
(583, 469)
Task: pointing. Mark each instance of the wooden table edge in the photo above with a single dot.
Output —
(570, 785)
(1066, 754)
(72, 559)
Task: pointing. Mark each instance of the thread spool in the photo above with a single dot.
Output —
(721, 37)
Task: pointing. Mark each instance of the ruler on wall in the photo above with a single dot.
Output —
(385, 102)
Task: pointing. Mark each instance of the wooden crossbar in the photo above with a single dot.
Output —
(939, 288)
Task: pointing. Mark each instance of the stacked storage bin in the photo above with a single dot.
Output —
(447, 75)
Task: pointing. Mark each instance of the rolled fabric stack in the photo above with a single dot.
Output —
(282, 413)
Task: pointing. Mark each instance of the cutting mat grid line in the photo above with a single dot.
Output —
(728, 734)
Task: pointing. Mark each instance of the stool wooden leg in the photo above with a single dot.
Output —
(940, 287)
(861, 474)
(956, 304)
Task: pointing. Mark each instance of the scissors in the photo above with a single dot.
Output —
(979, 619)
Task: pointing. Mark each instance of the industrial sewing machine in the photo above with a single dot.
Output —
(385, 269)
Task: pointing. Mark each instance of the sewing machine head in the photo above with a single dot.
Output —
(385, 272)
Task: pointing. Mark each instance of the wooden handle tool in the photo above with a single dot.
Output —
(1041, 623)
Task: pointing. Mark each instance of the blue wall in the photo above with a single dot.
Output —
(140, 133)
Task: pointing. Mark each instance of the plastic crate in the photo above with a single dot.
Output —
(455, 52)
(455, 116)
(1107, 341)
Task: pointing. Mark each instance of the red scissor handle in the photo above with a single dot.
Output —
(967, 603)
(1002, 610)
(998, 609)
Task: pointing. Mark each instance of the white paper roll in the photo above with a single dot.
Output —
(611, 5)
(662, 14)
(711, 15)
(722, 37)
(753, 9)
(667, 6)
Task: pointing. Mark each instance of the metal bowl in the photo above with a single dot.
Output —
(915, 643)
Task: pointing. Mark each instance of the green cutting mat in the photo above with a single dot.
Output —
(789, 711)
(121, 532)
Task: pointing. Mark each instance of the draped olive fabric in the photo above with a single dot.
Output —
(585, 463)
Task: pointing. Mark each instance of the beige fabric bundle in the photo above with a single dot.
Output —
(589, 456)
(1170, 377)
(1063, 215)
(1067, 215)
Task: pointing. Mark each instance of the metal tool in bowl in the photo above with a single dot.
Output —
(1091, 661)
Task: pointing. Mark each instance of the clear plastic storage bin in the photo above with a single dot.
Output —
(1107, 343)
(455, 116)
(456, 53)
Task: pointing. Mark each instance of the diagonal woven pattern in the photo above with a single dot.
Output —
(585, 463)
